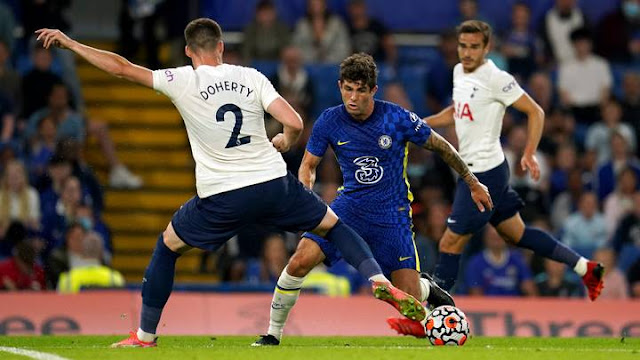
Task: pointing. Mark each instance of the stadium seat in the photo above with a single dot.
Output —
(325, 88)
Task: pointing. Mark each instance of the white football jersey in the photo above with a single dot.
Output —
(479, 100)
(223, 108)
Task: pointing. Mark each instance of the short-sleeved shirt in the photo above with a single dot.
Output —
(497, 279)
(480, 99)
(71, 126)
(223, 108)
(372, 155)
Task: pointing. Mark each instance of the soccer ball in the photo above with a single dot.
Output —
(447, 325)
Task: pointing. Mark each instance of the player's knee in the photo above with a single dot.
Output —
(172, 241)
(299, 265)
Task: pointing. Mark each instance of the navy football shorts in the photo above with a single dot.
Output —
(283, 202)
(465, 217)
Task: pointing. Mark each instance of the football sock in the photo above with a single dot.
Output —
(157, 285)
(545, 245)
(425, 289)
(353, 249)
(447, 270)
(145, 336)
(285, 296)
(581, 266)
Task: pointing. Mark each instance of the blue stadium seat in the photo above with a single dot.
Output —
(268, 68)
(412, 78)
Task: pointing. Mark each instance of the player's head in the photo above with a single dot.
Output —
(358, 84)
(581, 40)
(203, 36)
(473, 43)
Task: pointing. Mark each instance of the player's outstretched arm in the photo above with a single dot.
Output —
(107, 61)
(441, 119)
(307, 170)
(479, 191)
(535, 116)
(291, 121)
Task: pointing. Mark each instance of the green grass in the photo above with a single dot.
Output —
(334, 348)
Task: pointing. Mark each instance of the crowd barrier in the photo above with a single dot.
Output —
(116, 312)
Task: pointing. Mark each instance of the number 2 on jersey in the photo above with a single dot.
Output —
(234, 140)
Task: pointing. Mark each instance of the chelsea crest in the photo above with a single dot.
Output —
(384, 141)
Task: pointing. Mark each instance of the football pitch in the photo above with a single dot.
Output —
(308, 348)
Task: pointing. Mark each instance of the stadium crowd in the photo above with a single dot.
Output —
(586, 77)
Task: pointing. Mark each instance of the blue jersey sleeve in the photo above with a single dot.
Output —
(414, 129)
(319, 138)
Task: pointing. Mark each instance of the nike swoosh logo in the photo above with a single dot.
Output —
(404, 258)
(340, 143)
(451, 221)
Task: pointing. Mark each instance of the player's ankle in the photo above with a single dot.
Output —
(145, 336)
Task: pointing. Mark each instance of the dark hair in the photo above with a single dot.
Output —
(359, 67)
(581, 33)
(202, 34)
(475, 27)
(264, 4)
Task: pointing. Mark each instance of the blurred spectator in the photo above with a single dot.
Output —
(633, 276)
(7, 26)
(58, 170)
(94, 224)
(323, 37)
(559, 127)
(521, 46)
(585, 230)
(630, 102)
(293, 81)
(394, 92)
(468, 10)
(369, 35)
(498, 271)
(15, 233)
(556, 282)
(439, 79)
(626, 239)
(266, 36)
(616, 36)
(620, 201)
(567, 202)
(91, 273)
(66, 255)
(70, 124)
(144, 13)
(41, 148)
(21, 272)
(565, 161)
(599, 134)
(38, 83)
(617, 287)
(176, 17)
(18, 200)
(435, 225)
(541, 90)
(584, 82)
(557, 26)
(532, 192)
(272, 262)
(91, 189)
(7, 120)
(10, 80)
(608, 171)
(55, 224)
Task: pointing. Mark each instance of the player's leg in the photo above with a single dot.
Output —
(451, 246)
(307, 255)
(514, 231)
(156, 288)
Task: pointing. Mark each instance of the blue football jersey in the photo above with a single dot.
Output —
(372, 155)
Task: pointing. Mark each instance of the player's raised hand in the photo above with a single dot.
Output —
(482, 198)
(530, 162)
(53, 37)
(280, 143)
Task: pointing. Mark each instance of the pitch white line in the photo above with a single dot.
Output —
(31, 353)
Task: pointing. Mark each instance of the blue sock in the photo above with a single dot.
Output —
(545, 245)
(157, 285)
(354, 249)
(447, 270)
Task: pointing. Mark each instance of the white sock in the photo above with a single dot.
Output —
(425, 289)
(145, 336)
(379, 278)
(581, 266)
(283, 301)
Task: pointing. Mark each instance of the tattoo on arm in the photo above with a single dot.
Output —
(446, 151)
